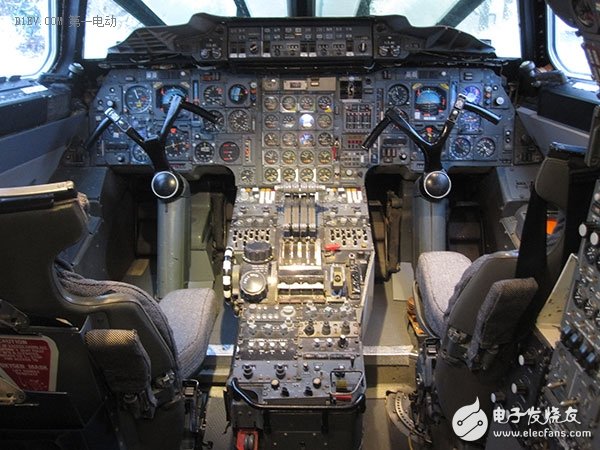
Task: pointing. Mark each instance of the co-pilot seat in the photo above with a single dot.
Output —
(109, 356)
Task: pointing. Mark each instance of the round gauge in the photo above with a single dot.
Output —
(430, 134)
(140, 155)
(469, 123)
(324, 121)
(461, 147)
(247, 176)
(229, 152)
(473, 94)
(306, 122)
(213, 95)
(325, 140)
(239, 121)
(430, 100)
(137, 99)
(210, 127)
(589, 309)
(288, 121)
(177, 144)
(325, 103)
(288, 103)
(579, 297)
(485, 148)
(307, 157)
(288, 157)
(271, 121)
(270, 175)
(289, 140)
(307, 140)
(270, 103)
(398, 95)
(204, 152)
(271, 140)
(324, 174)
(166, 94)
(238, 93)
(306, 174)
(325, 157)
(288, 174)
(591, 253)
(307, 103)
(271, 157)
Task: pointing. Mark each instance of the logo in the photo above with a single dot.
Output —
(470, 422)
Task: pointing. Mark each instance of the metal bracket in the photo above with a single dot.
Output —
(11, 317)
(10, 393)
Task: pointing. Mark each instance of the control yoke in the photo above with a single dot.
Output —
(435, 183)
(166, 184)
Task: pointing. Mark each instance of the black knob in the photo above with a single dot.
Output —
(247, 370)
(280, 371)
(275, 384)
(326, 328)
(253, 286)
(308, 391)
(309, 329)
(526, 360)
(316, 382)
(345, 327)
(519, 388)
(285, 392)
(166, 185)
(257, 252)
(436, 185)
(497, 397)
(343, 342)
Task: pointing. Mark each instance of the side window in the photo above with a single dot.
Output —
(565, 49)
(106, 25)
(28, 30)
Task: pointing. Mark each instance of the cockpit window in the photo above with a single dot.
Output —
(565, 48)
(28, 30)
(496, 21)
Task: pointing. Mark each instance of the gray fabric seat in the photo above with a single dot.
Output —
(184, 318)
(437, 275)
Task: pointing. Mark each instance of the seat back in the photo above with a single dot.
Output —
(74, 406)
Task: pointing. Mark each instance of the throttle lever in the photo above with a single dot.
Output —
(486, 114)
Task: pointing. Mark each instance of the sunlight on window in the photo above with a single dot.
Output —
(26, 28)
(99, 38)
(568, 55)
(174, 12)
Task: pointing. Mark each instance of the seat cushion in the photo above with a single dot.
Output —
(437, 275)
(191, 313)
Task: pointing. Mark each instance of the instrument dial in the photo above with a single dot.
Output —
(307, 140)
(166, 94)
(140, 155)
(461, 147)
(271, 140)
(239, 121)
(210, 127)
(469, 123)
(238, 93)
(289, 140)
(271, 121)
(306, 174)
(271, 175)
(288, 157)
(177, 143)
(288, 121)
(306, 122)
(213, 95)
(288, 174)
(398, 95)
(288, 103)
(325, 139)
(307, 157)
(473, 94)
(325, 157)
(247, 176)
(325, 103)
(204, 152)
(270, 103)
(307, 103)
(430, 101)
(271, 157)
(485, 148)
(324, 121)
(229, 152)
(324, 174)
(137, 99)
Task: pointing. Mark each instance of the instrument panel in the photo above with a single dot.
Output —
(285, 128)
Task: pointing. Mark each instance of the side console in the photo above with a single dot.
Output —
(298, 272)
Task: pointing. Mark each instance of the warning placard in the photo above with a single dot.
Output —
(31, 362)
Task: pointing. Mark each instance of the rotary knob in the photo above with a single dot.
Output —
(257, 252)
(253, 286)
